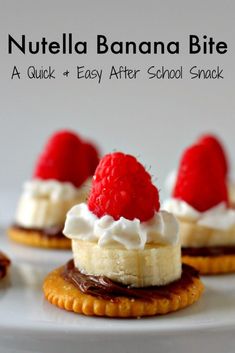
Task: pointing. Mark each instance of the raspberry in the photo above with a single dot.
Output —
(200, 181)
(63, 159)
(217, 149)
(92, 156)
(122, 188)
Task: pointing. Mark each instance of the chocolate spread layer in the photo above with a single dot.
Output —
(49, 232)
(209, 251)
(4, 263)
(105, 288)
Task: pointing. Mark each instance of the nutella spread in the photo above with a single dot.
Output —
(208, 251)
(105, 288)
(48, 232)
(4, 263)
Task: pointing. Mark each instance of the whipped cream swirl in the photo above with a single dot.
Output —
(82, 224)
(52, 189)
(218, 217)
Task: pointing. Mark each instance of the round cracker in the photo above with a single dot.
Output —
(36, 239)
(211, 265)
(66, 296)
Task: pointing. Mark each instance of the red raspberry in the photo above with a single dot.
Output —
(92, 156)
(200, 181)
(217, 149)
(63, 159)
(122, 188)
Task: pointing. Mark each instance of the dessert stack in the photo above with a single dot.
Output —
(200, 201)
(126, 251)
(61, 179)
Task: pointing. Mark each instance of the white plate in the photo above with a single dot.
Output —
(30, 324)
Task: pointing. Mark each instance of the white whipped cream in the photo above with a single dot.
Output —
(44, 203)
(51, 189)
(82, 224)
(218, 217)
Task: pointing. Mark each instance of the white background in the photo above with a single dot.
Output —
(151, 119)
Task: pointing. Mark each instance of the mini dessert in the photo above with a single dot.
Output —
(200, 202)
(126, 252)
(61, 179)
(4, 264)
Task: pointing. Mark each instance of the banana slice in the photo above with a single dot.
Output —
(154, 265)
(43, 212)
(194, 235)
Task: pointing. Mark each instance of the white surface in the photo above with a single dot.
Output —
(30, 324)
